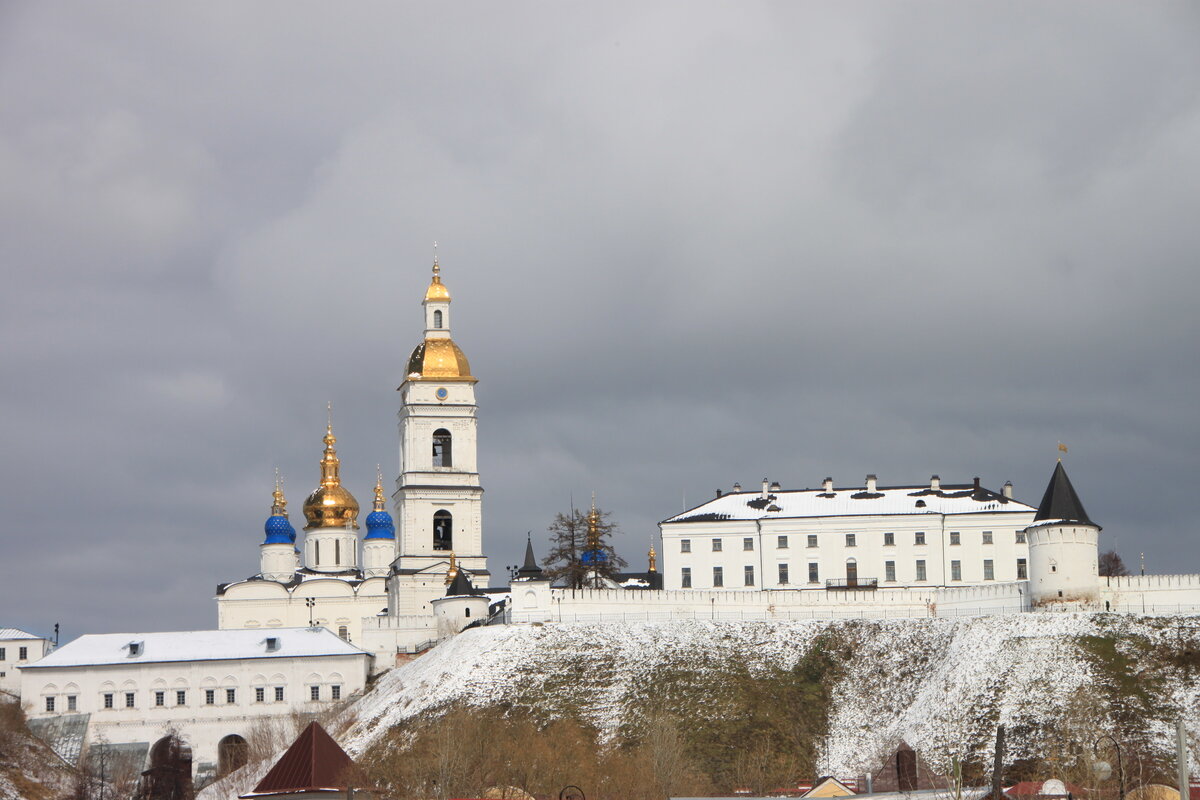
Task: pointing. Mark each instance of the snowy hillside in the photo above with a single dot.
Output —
(942, 685)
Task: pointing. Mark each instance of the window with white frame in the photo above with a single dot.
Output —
(955, 537)
(783, 573)
(956, 570)
(260, 694)
(685, 577)
(851, 540)
(889, 570)
(129, 699)
(210, 697)
(1020, 537)
(278, 694)
(814, 572)
(812, 540)
(108, 699)
(314, 693)
(335, 692)
(889, 539)
(748, 575)
(1022, 570)
(716, 545)
(72, 702)
(987, 537)
(919, 537)
(181, 697)
(782, 543)
(49, 703)
(718, 576)
(231, 695)
(160, 698)
(685, 545)
(989, 573)
(920, 569)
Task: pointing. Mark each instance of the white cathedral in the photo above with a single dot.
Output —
(861, 551)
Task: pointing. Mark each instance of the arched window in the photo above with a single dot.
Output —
(344, 632)
(443, 537)
(441, 448)
(232, 753)
(437, 319)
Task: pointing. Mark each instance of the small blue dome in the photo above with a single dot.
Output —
(380, 526)
(279, 530)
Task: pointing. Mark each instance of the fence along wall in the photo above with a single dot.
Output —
(537, 602)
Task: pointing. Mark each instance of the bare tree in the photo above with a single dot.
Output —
(570, 552)
(1111, 564)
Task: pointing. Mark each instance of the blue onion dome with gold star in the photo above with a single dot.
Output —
(278, 528)
(379, 522)
(331, 505)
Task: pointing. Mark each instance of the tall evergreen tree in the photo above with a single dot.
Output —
(571, 558)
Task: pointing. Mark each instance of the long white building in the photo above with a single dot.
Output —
(18, 648)
(845, 538)
(211, 687)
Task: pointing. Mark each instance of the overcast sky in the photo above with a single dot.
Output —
(689, 244)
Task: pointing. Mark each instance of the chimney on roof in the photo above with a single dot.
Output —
(827, 485)
(775, 487)
(976, 481)
(766, 484)
(737, 487)
(871, 479)
(1007, 490)
(935, 483)
(718, 492)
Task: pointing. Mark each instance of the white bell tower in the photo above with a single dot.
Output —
(438, 499)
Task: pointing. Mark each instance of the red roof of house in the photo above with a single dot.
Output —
(314, 763)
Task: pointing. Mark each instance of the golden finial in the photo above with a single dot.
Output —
(379, 501)
(329, 461)
(653, 558)
(437, 290)
(593, 526)
(279, 504)
(451, 573)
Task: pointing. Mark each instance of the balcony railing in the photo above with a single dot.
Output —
(852, 584)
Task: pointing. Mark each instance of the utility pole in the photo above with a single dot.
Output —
(998, 763)
(1182, 755)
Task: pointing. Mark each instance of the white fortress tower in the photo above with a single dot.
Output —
(1063, 548)
(438, 498)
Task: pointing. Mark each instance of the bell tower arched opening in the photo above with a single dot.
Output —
(443, 530)
(442, 452)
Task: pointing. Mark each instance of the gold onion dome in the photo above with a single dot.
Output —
(331, 505)
(438, 358)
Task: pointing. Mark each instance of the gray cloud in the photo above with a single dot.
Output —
(688, 244)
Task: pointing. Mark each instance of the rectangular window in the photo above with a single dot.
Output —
(231, 695)
(783, 573)
(3, 654)
(314, 693)
(989, 574)
(955, 538)
(814, 575)
(160, 698)
(987, 537)
(260, 694)
(1022, 570)
(72, 703)
(49, 703)
(812, 540)
(889, 539)
(850, 540)
(1020, 537)
(22, 653)
(718, 577)
(748, 575)
(956, 570)
(748, 543)
(210, 697)
(920, 569)
(335, 692)
(685, 578)
(108, 700)
(889, 570)
(716, 545)
(685, 545)
(129, 699)
(278, 694)
(181, 697)
(781, 543)
(919, 537)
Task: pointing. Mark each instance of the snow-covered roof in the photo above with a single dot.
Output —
(13, 634)
(114, 648)
(852, 502)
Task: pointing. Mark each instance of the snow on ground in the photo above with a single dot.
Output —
(938, 684)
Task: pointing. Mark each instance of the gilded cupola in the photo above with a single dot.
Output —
(331, 505)
(438, 358)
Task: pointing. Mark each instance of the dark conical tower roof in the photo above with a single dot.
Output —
(529, 570)
(1060, 501)
(314, 763)
(460, 585)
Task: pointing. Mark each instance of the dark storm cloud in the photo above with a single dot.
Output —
(688, 244)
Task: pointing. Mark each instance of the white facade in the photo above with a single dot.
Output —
(18, 649)
(833, 539)
(207, 685)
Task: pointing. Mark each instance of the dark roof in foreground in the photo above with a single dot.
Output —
(1060, 501)
(314, 763)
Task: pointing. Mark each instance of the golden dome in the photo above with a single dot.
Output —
(437, 290)
(439, 359)
(331, 505)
